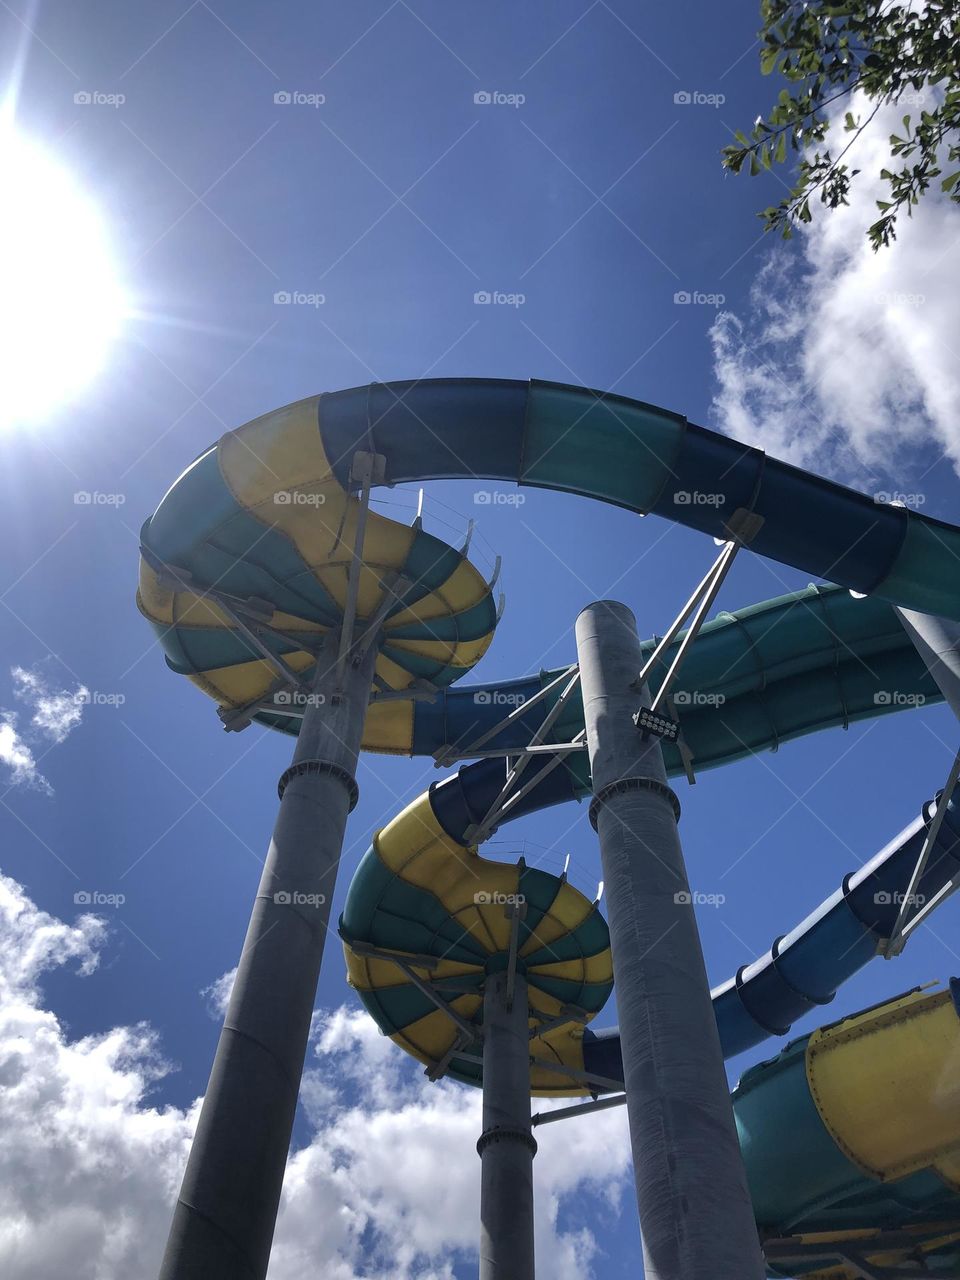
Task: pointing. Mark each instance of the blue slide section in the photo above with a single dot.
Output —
(805, 968)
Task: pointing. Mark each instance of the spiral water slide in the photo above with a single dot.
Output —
(242, 520)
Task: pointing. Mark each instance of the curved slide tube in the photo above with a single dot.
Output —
(753, 679)
(803, 968)
(851, 1142)
(806, 967)
(649, 460)
(267, 516)
(442, 914)
(260, 523)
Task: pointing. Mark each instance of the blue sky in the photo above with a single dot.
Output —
(597, 198)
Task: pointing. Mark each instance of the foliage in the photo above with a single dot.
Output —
(885, 53)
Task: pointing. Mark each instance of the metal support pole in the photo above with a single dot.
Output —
(937, 640)
(507, 1145)
(224, 1220)
(696, 1217)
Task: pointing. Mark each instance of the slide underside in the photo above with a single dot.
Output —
(851, 1142)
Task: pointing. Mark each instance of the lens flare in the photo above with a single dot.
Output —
(61, 303)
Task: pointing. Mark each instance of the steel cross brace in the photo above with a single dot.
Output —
(404, 963)
(447, 756)
(507, 798)
(569, 1013)
(908, 919)
(700, 601)
(580, 1109)
(788, 1253)
(366, 470)
(515, 912)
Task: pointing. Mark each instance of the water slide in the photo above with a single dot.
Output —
(851, 1140)
(241, 581)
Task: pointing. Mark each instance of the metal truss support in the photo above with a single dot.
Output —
(581, 1109)
(501, 804)
(701, 600)
(449, 755)
(366, 470)
(569, 1013)
(789, 1253)
(912, 911)
(405, 964)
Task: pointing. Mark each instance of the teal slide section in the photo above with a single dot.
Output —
(648, 460)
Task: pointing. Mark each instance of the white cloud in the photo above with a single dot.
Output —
(87, 1167)
(400, 1156)
(56, 712)
(17, 757)
(848, 358)
(386, 1187)
(217, 995)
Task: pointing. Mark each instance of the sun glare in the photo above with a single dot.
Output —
(60, 300)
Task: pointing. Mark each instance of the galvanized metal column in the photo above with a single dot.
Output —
(507, 1145)
(696, 1217)
(937, 640)
(224, 1220)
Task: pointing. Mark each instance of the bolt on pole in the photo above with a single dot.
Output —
(696, 1217)
(507, 1145)
(224, 1220)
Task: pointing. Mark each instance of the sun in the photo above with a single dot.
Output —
(61, 303)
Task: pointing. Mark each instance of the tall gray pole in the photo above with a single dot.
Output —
(696, 1218)
(937, 640)
(224, 1220)
(507, 1145)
